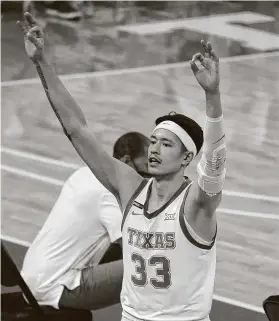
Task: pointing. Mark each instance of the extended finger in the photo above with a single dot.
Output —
(209, 47)
(214, 56)
(22, 27)
(194, 67)
(30, 19)
(203, 43)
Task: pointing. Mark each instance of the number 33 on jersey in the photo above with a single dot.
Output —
(168, 274)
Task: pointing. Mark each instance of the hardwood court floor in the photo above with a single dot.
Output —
(248, 218)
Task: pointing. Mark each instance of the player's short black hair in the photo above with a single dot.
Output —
(131, 144)
(188, 124)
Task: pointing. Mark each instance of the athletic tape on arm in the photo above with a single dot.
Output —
(211, 168)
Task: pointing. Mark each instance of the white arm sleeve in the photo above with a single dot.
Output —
(211, 168)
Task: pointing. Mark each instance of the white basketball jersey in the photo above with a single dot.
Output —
(168, 275)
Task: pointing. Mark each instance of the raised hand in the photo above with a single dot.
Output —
(33, 37)
(207, 74)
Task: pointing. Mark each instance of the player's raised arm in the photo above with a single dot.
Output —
(117, 177)
(211, 168)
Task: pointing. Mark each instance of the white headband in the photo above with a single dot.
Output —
(180, 133)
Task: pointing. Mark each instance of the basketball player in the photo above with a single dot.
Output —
(169, 224)
(61, 266)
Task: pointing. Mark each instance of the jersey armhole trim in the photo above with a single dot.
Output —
(186, 231)
(129, 205)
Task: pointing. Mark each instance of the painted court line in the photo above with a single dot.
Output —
(51, 161)
(138, 69)
(15, 240)
(270, 216)
(38, 158)
(261, 197)
(238, 304)
(229, 245)
(215, 297)
(56, 182)
(37, 177)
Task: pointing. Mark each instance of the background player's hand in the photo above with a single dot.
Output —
(207, 74)
(33, 37)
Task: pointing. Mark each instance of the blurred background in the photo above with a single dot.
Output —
(92, 31)
(126, 63)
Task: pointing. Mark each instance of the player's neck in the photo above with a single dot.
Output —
(163, 189)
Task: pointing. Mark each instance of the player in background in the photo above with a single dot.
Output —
(62, 266)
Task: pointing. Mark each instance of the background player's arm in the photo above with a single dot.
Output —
(110, 216)
(118, 178)
(206, 192)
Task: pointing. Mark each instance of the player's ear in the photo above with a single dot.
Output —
(188, 157)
